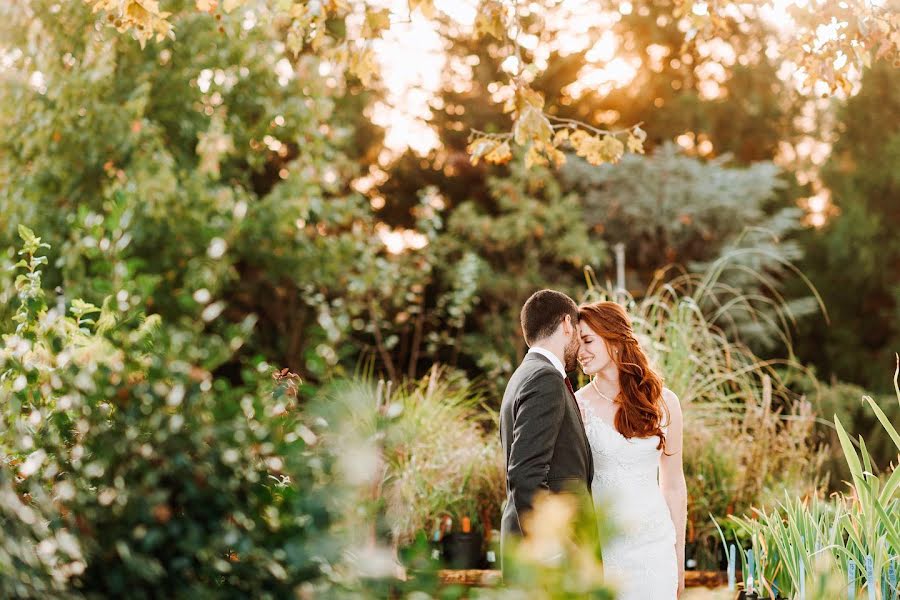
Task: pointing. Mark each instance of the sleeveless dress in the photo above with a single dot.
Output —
(640, 559)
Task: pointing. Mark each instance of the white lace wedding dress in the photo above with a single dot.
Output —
(640, 559)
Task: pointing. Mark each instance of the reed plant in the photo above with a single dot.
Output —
(443, 457)
(438, 453)
(850, 529)
(747, 437)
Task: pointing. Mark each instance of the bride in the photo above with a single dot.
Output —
(634, 428)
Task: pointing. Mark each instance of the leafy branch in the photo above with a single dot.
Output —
(859, 30)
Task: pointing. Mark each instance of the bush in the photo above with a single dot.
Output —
(437, 450)
(163, 478)
(851, 528)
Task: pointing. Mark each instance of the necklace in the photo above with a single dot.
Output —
(601, 394)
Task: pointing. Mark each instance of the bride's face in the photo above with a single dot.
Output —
(594, 353)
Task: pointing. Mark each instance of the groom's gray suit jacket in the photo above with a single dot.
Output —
(543, 439)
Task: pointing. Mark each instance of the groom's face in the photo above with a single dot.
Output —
(570, 352)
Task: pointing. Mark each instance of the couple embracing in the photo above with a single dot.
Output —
(618, 437)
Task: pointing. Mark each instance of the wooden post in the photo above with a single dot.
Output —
(621, 291)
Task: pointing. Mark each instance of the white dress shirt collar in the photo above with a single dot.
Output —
(551, 357)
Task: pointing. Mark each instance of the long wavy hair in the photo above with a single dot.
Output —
(641, 405)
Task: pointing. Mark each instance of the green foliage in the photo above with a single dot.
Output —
(162, 477)
(673, 209)
(850, 527)
(130, 469)
(843, 401)
(442, 459)
(669, 207)
(210, 191)
(858, 248)
(36, 560)
(530, 236)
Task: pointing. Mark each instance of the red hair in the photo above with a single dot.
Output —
(641, 406)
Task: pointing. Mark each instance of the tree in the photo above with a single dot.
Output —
(532, 236)
(208, 180)
(669, 208)
(825, 43)
(705, 217)
(855, 258)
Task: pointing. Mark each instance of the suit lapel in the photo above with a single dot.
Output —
(573, 404)
(584, 440)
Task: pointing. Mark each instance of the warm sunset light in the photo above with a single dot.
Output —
(495, 299)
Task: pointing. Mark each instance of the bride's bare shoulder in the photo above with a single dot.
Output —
(673, 405)
(669, 397)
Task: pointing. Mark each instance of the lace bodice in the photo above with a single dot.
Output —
(641, 557)
(619, 461)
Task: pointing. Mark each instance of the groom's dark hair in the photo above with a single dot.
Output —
(543, 312)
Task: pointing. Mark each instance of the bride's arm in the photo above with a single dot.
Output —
(671, 478)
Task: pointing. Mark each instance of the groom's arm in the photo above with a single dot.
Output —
(536, 422)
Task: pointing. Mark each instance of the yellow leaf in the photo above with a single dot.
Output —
(532, 125)
(586, 146)
(377, 21)
(207, 5)
(534, 157)
(557, 156)
(426, 7)
(561, 136)
(490, 20)
(478, 148)
(635, 144)
(362, 64)
(611, 149)
(499, 154)
(639, 133)
(578, 137)
(526, 96)
(296, 39)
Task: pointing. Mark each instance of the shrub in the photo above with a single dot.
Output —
(163, 478)
(864, 522)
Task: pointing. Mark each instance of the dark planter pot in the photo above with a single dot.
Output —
(463, 550)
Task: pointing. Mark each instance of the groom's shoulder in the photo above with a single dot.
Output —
(532, 362)
(533, 369)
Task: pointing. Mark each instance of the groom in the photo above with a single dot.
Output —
(540, 425)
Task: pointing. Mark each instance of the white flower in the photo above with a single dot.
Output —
(212, 311)
(20, 383)
(33, 463)
(217, 248)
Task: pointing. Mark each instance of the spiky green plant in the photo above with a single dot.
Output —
(846, 529)
(873, 529)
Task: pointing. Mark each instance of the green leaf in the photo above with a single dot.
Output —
(27, 235)
(107, 319)
(80, 308)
